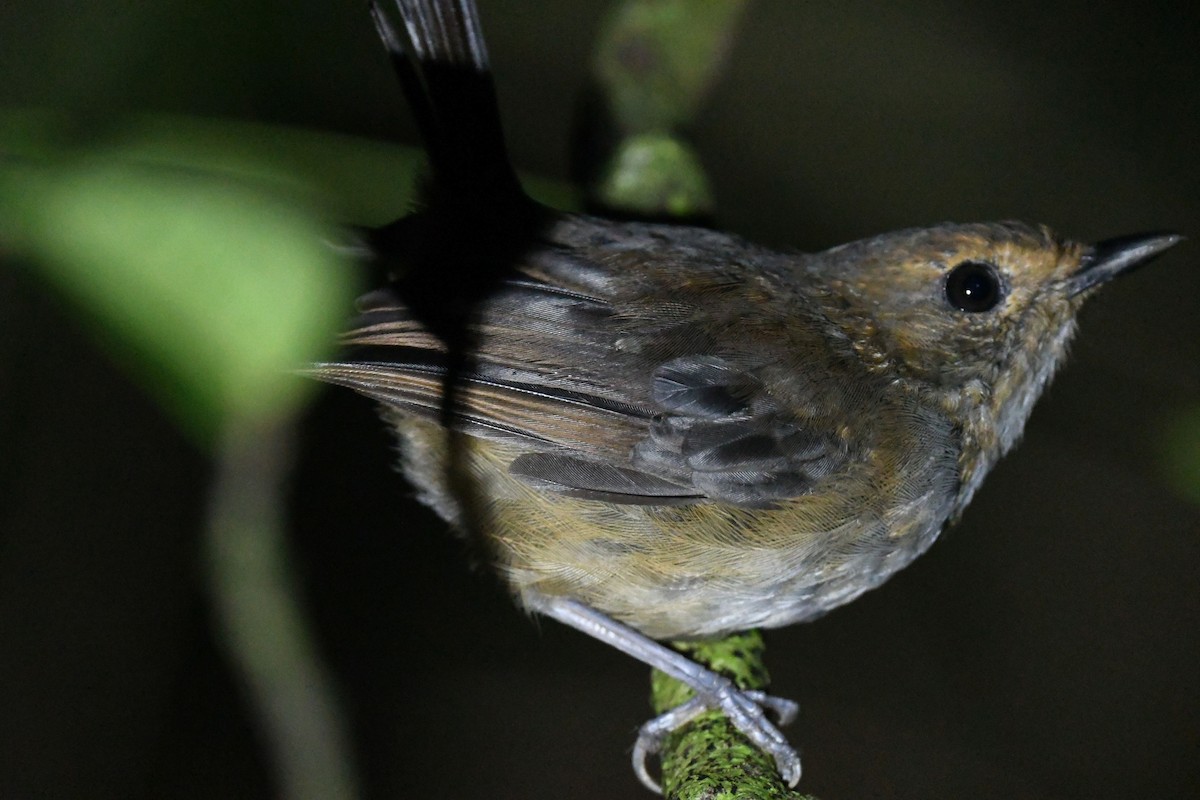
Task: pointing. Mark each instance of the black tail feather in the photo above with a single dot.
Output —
(477, 221)
(442, 62)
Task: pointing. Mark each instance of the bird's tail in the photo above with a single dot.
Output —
(445, 262)
(442, 61)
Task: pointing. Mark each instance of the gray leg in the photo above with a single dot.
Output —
(744, 709)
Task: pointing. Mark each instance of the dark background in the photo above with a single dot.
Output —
(1046, 647)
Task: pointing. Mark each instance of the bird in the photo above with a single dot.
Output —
(660, 432)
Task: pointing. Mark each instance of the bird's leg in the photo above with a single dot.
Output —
(743, 708)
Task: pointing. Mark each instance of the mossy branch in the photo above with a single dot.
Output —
(710, 759)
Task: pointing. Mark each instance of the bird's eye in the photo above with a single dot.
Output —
(974, 286)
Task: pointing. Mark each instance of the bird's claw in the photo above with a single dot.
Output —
(745, 709)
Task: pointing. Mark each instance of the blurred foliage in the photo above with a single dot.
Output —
(655, 172)
(210, 284)
(653, 66)
(1181, 453)
(217, 287)
(203, 249)
(656, 61)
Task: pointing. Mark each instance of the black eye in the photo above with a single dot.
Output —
(974, 286)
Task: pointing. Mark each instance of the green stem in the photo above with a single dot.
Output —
(262, 622)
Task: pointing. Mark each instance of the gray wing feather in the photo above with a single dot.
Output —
(636, 406)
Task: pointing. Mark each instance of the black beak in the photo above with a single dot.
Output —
(1112, 257)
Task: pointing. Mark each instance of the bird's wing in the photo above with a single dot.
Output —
(614, 386)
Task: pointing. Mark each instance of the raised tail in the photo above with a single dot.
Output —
(442, 61)
(446, 261)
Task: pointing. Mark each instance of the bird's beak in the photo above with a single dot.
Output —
(1112, 257)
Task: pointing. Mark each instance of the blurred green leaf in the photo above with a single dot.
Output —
(655, 174)
(217, 288)
(1181, 450)
(656, 60)
(202, 247)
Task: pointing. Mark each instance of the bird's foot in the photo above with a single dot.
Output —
(745, 709)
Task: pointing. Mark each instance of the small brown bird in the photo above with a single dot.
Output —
(667, 432)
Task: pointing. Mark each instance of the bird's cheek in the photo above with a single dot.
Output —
(915, 336)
